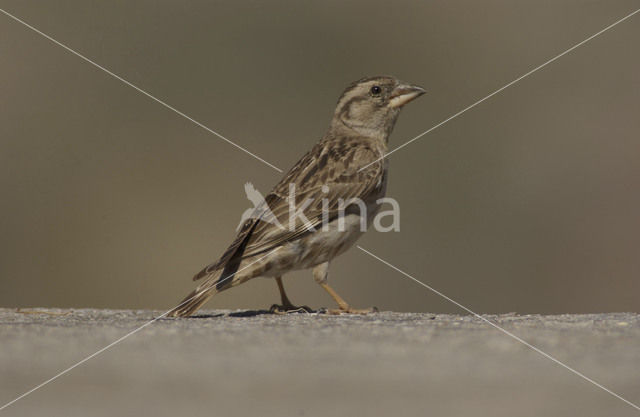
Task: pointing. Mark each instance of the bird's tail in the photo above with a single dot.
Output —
(197, 297)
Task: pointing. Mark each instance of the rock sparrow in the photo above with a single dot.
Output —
(327, 176)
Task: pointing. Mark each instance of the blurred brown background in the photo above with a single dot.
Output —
(529, 202)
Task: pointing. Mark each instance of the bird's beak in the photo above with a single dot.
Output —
(405, 93)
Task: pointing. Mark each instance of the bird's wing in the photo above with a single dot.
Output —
(333, 163)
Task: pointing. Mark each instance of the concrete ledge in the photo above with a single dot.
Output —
(246, 363)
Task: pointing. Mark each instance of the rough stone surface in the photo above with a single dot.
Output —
(241, 363)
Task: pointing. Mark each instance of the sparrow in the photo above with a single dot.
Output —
(309, 227)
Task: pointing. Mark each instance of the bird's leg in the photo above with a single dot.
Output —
(320, 274)
(287, 306)
(283, 295)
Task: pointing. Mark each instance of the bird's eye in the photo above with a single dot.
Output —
(375, 90)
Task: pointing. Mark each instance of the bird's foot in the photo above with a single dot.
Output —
(290, 308)
(351, 310)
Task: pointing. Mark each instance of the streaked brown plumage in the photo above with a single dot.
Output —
(357, 137)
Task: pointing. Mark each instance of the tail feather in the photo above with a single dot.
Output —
(213, 284)
(196, 298)
(192, 302)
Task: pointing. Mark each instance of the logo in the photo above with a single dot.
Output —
(342, 217)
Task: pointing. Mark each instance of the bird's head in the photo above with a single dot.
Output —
(371, 106)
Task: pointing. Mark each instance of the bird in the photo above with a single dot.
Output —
(347, 165)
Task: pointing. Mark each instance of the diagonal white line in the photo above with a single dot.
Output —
(79, 55)
(508, 333)
(115, 342)
(502, 88)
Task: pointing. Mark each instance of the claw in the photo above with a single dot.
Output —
(349, 310)
(286, 309)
